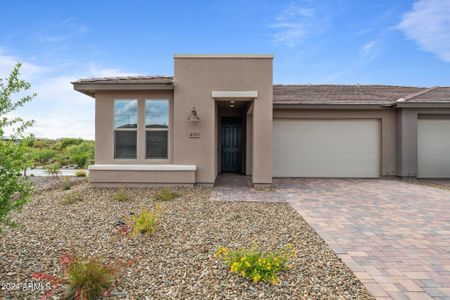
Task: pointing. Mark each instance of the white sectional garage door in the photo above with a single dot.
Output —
(433, 141)
(326, 148)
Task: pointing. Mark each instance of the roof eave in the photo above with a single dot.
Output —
(89, 88)
(423, 104)
(328, 106)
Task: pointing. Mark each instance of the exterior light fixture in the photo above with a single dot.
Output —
(232, 101)
(231, 105)
(193, 117)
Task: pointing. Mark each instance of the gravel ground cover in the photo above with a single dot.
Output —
(42, 183)
(177, 262)
(443, 184)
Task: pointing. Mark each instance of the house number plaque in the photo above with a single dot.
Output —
(194, 135)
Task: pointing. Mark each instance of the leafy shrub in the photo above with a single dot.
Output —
(166, 195)
(72, 198)
(81, 154)
(53, 169)
(66, 184)
(257, 265)
(80, 173)
(15, 157)
(121, 196)
(89, 279)
(145, 223)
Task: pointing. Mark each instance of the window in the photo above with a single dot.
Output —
(156, 129)
(125, 129)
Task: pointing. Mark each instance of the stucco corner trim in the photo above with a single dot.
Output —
(135, 167)
(234, 94)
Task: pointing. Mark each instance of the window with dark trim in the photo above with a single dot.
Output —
(125, 129)
(157, 129)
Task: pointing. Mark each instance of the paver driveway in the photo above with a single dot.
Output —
(394, 235)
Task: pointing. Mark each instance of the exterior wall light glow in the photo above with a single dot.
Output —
(231, 105)
(193, 117)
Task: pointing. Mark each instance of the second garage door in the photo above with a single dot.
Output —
(326, 148)
(433, 141)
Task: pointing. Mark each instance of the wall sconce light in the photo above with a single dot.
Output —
(193, 117)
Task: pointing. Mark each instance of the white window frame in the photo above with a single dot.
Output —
(157, 129)
(115, 129)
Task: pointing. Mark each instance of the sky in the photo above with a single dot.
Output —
(317, 42)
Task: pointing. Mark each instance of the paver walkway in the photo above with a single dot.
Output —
(395, 236)
(234, 187)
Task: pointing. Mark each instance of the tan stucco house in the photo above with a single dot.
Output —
(222, 113)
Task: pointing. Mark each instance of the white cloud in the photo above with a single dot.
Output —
(58, 110)
(428, 23)
(369, 51)
(295, 22)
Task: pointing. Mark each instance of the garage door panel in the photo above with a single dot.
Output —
(433, 151)
(326, 148)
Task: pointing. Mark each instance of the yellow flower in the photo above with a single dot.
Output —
(268, 266)
(256, 278)
(275, 281)
(234, 267)
(243, 258)
(243, 273)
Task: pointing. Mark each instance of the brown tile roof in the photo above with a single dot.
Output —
(129, 80)
(431, 95)
(340, 94)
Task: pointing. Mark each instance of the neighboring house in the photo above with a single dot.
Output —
(222, 113)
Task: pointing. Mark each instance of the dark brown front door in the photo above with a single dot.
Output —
(231, 135)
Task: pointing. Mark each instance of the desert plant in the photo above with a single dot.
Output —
(15, 189)
(166, 195)
(89, 279)
(53, 169)
(257, 265)
(145, 222)
(121, 196)
(72, 198)
(80, 173)
(66, 184)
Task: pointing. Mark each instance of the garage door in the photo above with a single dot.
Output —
(433, 140)
(326, 148)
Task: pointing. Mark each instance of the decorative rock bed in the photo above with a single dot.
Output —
(177, 262)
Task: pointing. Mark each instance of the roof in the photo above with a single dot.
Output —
(320, 94)
(341, 94)
(128, 80)
(431, 95)
(134, 83)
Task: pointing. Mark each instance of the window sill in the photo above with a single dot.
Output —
(136, 167)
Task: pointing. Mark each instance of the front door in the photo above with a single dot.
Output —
(231, 135)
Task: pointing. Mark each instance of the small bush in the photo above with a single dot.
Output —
(166, 195)
(145, 223)
(53, 169)
(80, 173)
(121, 196)
(66, 184)
(72, 198)
(89, 279)
(257, 265)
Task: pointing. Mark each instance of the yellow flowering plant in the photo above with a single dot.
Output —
(257, 265)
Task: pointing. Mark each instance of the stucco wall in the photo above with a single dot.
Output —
(104, 126)
(407, 137)
(388, 128)
(195, 79)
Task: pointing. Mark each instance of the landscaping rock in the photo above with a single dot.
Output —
(176, 262)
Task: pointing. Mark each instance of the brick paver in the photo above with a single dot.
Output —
(234, 187)
(395, 236)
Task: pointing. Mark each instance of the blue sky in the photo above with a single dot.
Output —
(335, 41)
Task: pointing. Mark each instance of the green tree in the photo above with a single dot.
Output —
(43, 156)
(15, 189)
(81, 154)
